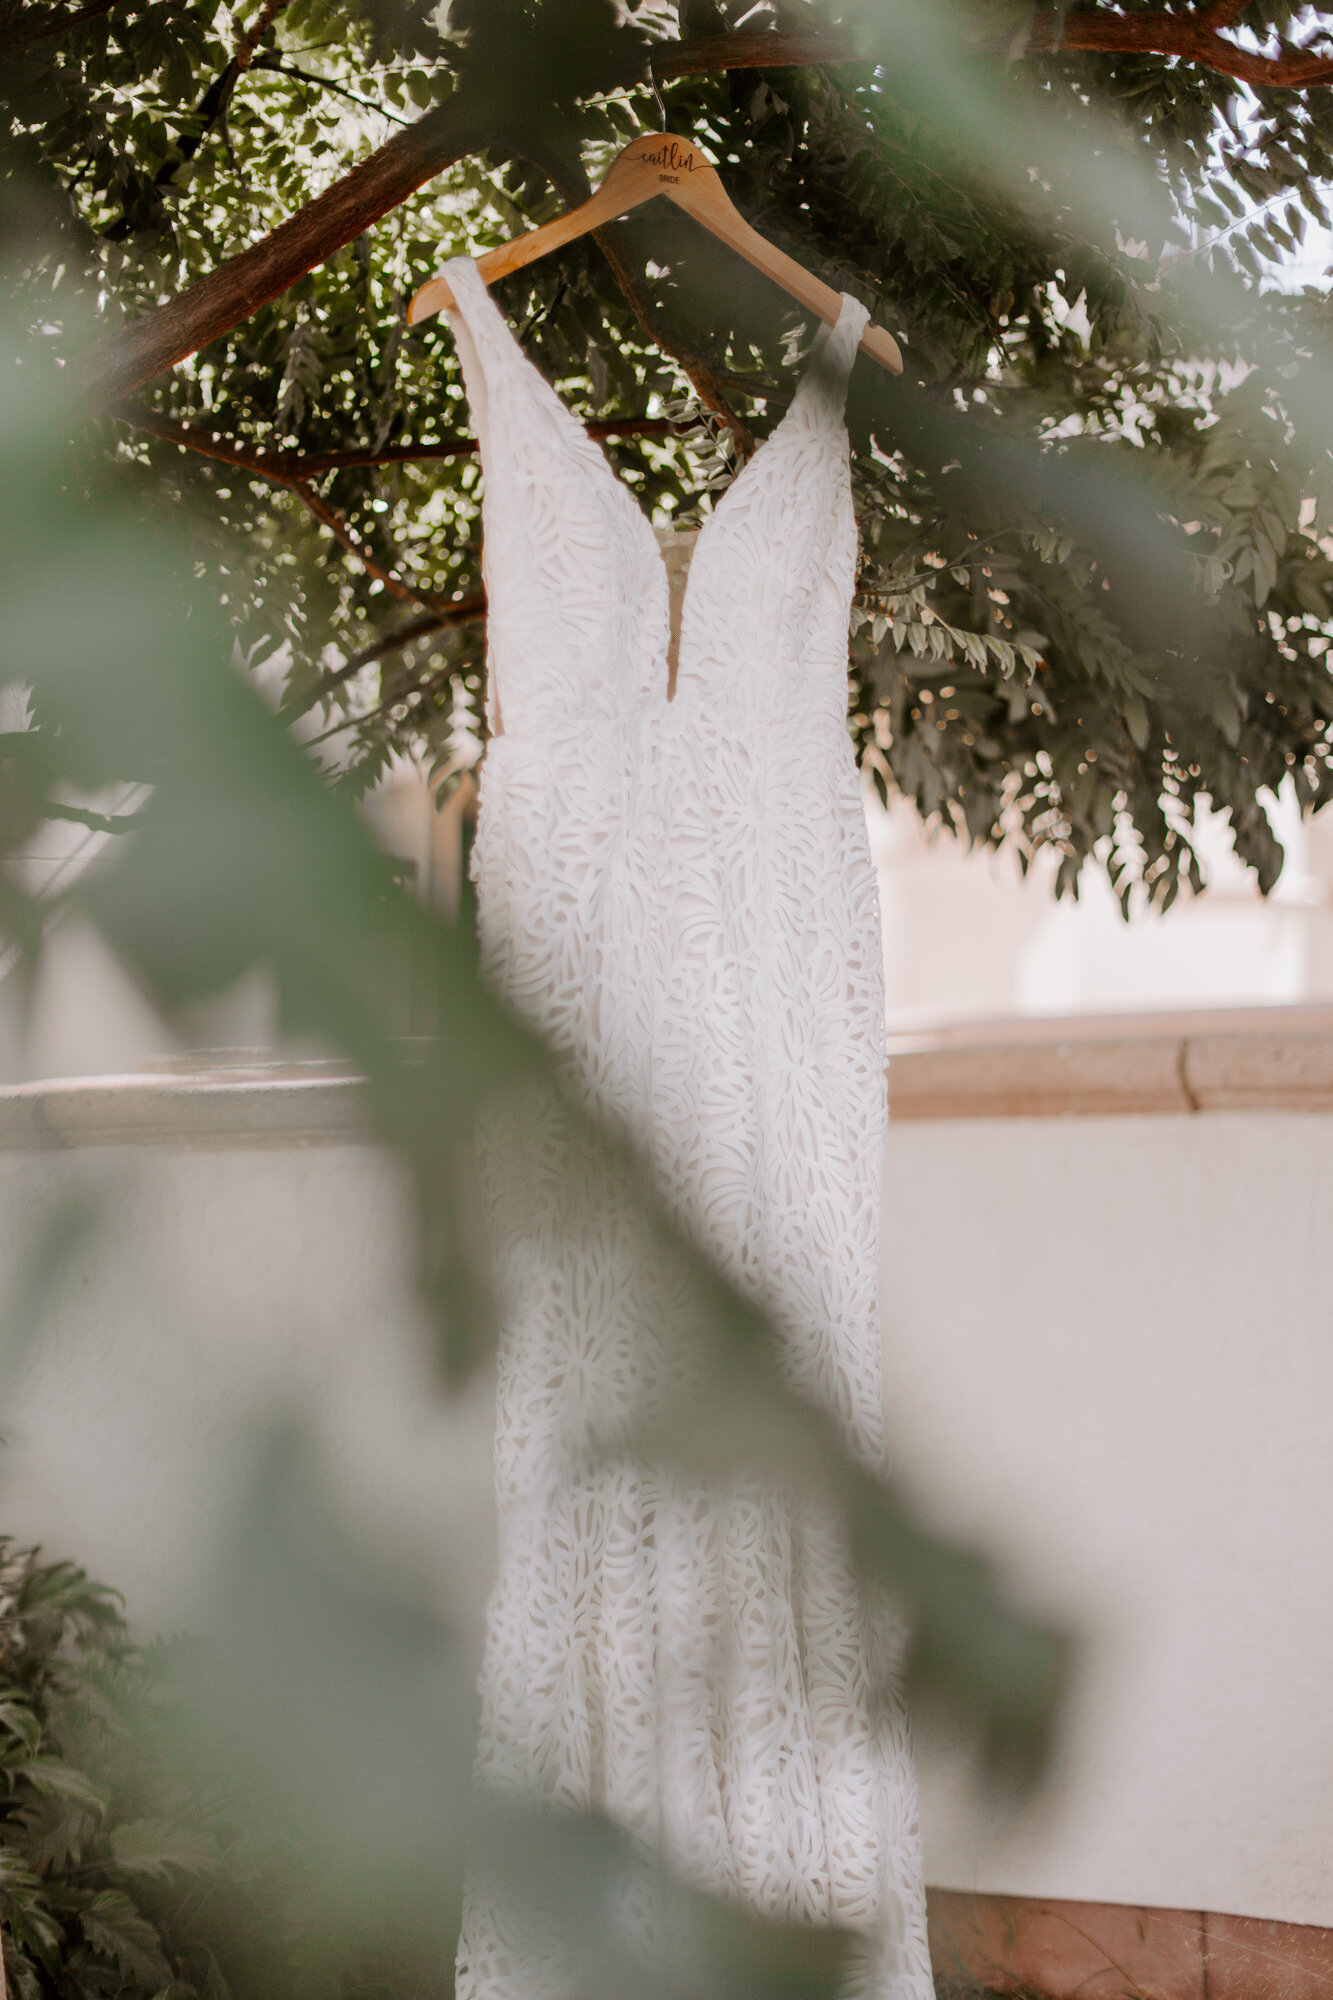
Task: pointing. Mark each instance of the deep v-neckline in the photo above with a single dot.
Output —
(479, 296)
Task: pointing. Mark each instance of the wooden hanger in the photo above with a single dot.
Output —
(664, 164)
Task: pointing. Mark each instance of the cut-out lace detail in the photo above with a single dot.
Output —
(680, 896)
(677, 546)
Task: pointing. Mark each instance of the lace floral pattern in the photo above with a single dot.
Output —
(679, 894)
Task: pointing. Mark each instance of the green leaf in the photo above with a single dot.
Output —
(1136, 721)
(18, 1720)
(116, 1930)
(1226, 711)
(155, 1847)
(1265, 571)
(54, 1779)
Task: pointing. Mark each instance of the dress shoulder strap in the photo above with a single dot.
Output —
(576, 593)
(821, 394)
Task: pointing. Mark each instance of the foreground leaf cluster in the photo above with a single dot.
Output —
(125, 1871)
(109, 1870)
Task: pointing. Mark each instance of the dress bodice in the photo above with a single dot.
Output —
(577, 585)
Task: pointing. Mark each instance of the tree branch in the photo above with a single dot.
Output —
(210, 111)
(697, 367)
(286, 468)
(407, 593)
(289, 470)
(248, 45)
(295, 470)
(392, 642)
(17, 33)
(752, 48)
(215, 304)
(276, 67)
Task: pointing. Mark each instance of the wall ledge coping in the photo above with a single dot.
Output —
(1253, 1059)
(211, 1108)
(1250, 1059)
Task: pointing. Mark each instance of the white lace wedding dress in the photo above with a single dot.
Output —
(678, 893)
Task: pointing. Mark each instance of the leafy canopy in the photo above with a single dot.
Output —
(1093, 590)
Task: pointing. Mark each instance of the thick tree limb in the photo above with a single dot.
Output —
(1194, 36)
(751, 48)
(1223, 13)
(217, 303)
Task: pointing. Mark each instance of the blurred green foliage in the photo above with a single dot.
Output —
(115, 1877)
(1094, 590)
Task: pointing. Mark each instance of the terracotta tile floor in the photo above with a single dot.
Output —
(1104, 1951)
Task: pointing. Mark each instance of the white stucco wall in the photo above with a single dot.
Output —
(1110, 1357)
(1109, 1361)
(221, 1287)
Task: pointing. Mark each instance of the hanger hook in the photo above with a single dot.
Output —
(657, 95)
